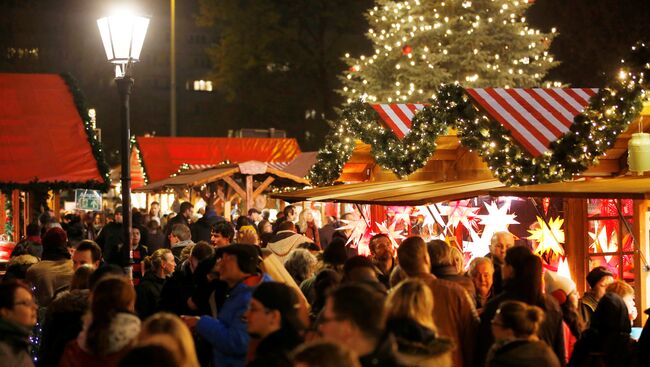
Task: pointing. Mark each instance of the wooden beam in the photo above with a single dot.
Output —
(263, 186)
(249, 192)
(235, 186)
(641, 255)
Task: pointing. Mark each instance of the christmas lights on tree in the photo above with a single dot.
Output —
(593, 131)
(419, 44)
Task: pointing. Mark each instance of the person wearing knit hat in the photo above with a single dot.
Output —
(563, 289)
(55, 271)
(272, 317)
(598, 279)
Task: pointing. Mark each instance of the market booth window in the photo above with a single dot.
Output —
(610, 242)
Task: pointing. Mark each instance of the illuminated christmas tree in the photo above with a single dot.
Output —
(419, 44)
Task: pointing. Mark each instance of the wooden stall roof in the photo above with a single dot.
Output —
(394, 192)
(630, 187)
(194, 178)
(43, 139)
(162, 156)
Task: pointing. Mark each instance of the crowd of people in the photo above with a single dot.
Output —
(209, 292)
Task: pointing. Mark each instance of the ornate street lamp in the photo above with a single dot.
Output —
(123, 36)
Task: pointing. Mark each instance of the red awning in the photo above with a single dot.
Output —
(535, 117)
(162, 156)
(42, 136)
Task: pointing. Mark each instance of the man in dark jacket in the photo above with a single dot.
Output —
(272, 318)
(183, 217)
(111, 234)
(181, 285)
(202, 229)
(499, 244)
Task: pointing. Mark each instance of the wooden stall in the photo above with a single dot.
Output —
(47, 142)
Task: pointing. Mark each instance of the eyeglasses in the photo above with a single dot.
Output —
(29, 303)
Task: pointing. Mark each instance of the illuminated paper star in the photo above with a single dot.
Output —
(431, 215)
(600, 240)
(497, 219)
(358, 228)
(404, 216)
(549, 237)
(460, 213)
(479, 246)
(390, 231)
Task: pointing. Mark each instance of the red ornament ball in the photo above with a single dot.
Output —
(406, 50)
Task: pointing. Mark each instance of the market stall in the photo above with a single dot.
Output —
(47, 142)
(247, 181)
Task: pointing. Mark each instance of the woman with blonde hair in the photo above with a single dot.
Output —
(169, 331)
(308, 226)
(159, 266)
(409, 318)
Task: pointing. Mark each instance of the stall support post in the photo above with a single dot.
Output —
(576, 240)
(642, 254)
(124, 87)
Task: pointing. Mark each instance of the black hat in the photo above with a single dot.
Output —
(248, 256)
(277, 296)
(596, 274)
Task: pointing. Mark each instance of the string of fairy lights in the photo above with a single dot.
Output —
(420, 44)
(593, 131)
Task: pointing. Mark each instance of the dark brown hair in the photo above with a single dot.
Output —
(110, 296)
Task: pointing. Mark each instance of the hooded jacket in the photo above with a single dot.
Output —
(418, 345)
(123, 330)
(227, 334)
(607, 342)
(284, 242)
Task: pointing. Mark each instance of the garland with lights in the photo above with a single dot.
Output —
(593, 131)
(9, 223)
(95, 145)
(136, 146)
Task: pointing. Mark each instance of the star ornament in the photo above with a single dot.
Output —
(600, 240)
(358, 228)
(497, 219)
(460, 213)
(549, 237)
(391, 232)
(431, 215)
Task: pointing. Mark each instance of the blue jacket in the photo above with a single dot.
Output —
(227, 334)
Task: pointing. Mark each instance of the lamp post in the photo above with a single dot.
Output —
(123, 36)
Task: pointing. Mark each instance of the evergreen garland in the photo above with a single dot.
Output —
(594, 130)
(96, 146)
(135, 145)
(9, 223)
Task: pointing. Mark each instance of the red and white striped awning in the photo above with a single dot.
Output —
(535, 117)
(398, 116)
(275, 165)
